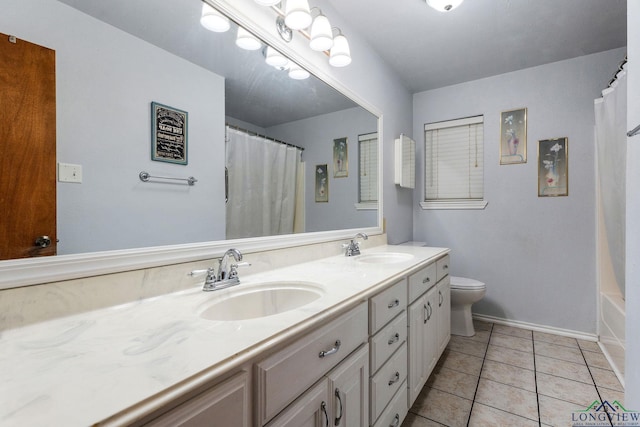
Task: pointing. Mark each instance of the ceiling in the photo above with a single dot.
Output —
(481, 38)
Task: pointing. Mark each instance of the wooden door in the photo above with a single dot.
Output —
(28, 149)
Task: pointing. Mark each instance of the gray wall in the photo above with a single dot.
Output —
(319, 132)
(632, 369)
(106, 80)
(536, 255)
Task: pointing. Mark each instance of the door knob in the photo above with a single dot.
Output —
(43, 241)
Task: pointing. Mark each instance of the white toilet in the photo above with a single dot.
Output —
(464, 292)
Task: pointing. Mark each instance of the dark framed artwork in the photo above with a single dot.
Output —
(553, 167)
(169, 137)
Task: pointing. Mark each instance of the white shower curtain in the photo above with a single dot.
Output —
(611, 143)
(262, 186)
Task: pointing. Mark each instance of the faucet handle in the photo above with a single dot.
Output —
(194, 273)
(233, 271)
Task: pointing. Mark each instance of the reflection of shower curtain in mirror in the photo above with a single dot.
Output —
(262, 186)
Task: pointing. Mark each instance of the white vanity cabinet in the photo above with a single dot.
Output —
(297, 384)
(227, 403)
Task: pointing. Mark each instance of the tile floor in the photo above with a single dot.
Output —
(506, 376)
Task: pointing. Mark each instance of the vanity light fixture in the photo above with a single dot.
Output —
(444, 5)
(267, 2)
(297, 73)
(275, 58)
(340, 54)
(297, 14)
(247, 41)
(213, 20)
(321, 33)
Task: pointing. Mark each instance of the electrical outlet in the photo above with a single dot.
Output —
(69, 173)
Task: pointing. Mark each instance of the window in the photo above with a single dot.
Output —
(454, 160)
(368, 174)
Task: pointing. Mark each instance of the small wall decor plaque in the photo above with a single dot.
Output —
(553, 167)
(322, 184)
(168, 134)
(513, 137)
(340, 158)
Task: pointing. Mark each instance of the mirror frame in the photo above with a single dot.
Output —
(34, 271)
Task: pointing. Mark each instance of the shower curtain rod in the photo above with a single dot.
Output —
(620, 68)
(263, 136)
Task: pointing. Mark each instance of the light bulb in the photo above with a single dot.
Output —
(213, 20)
(444, 5)
(298, 73)
(297, 14)
(321, 34)
(340, 55)
(275, 58)
(267, 2)
(246, 40)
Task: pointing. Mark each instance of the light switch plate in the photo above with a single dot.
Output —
(69, 173)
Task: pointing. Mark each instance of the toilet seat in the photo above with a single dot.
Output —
(463, 283)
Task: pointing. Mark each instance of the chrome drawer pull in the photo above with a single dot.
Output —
(425, 280)
(394, 303)
(334, 350)
(323, 408)
(395, 378)
(338, 418)
(394, 339)
(440, 299)
(396, 421)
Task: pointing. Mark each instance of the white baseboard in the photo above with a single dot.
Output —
(539, 328)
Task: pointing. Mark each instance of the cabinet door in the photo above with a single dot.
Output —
(423, 346)
(309, 410)
(350, 390)
(444, 314)
(226, 404)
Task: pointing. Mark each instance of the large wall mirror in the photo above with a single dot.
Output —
(114, 59)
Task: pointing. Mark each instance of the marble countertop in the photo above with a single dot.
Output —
(82, 369)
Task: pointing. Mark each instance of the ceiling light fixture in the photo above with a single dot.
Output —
(267, 2)
(213, 20)
(297, 73)
(275, 58)
(444, 5)
(321, 33)
(340, 54)
(297, 14)
(247, 41)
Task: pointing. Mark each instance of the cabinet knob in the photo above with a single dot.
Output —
(43, 241)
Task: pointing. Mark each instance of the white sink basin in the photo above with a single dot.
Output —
(384, 258)
(261, 300)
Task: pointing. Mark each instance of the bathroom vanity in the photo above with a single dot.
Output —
(354, 349)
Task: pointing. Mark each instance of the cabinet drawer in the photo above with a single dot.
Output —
(387, 305)
(442, 267)
(396, 411)
(387, 381)
(421, 281)
(286, 374)
(387, 341)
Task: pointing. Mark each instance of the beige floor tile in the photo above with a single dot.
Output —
(484, 416)
(557, 412)
(442, 407)
(461, 362)
(571, 391)
(559, 352)
(522, 359)
(507, 398)
(509, 341)
(612, 396)
(513, 331)
(589, 346)
(467, 346)
(454, 382)
(481, 336)
(606, 378)
(480, 325)
(564, 369)
(509, 375)
(555, 339)
(413, 420)
(596, 360)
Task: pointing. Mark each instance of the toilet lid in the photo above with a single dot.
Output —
(465, 283)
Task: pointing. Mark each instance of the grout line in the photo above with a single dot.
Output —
(535, 379)
(473, 402)
(609, 416)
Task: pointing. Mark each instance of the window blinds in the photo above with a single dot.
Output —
(368, 151)
(454, 159)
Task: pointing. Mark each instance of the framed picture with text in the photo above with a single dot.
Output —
(168, 134)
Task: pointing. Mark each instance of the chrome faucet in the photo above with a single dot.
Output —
(227, 272)
(353, 248)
